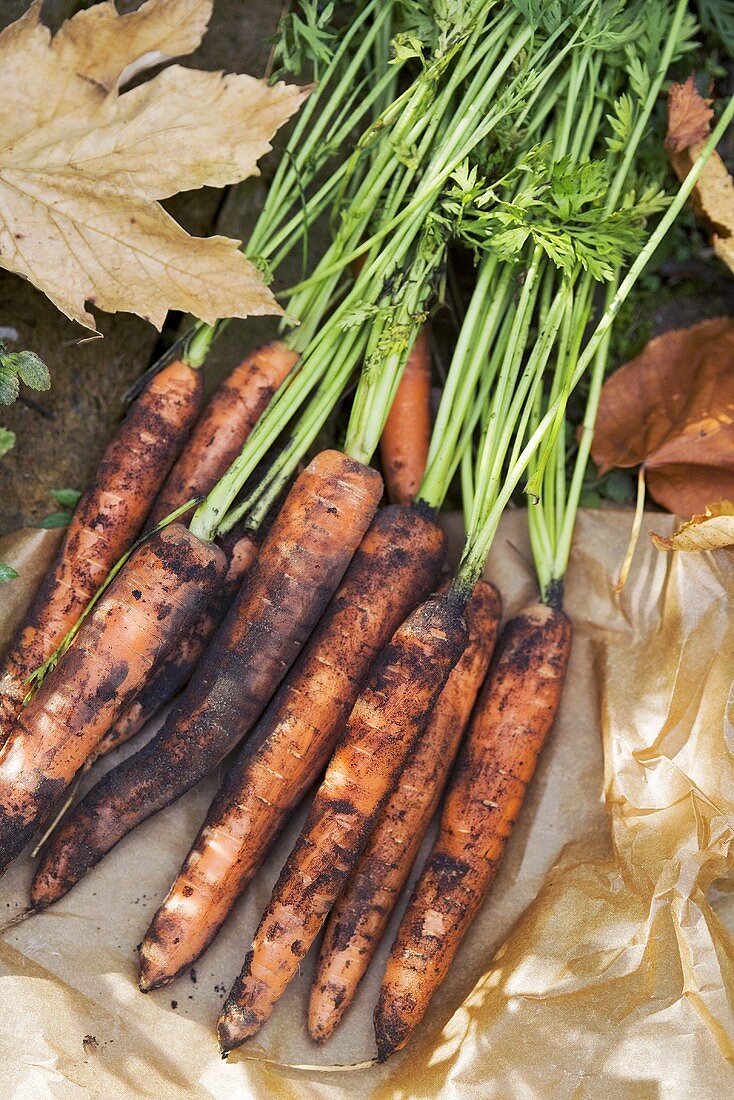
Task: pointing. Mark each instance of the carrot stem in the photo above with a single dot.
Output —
(464, 138)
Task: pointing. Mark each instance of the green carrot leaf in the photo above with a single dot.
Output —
(306, 39)
(7, 573)
(717, 19)
(407, 46)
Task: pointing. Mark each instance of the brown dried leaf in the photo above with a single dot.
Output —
(82, 164)
(689, 116)
(672, 410)
(712, 530)
(713, 196)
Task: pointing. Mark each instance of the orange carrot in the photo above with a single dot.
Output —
(104, 525)
(299, 566)
(363, 909)
(513, 717)
(388, 717)
(294, 739)
(223, 427)
(170, 675)
(407, 432)
(159, 592)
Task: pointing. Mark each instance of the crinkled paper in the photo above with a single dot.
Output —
(601, 965)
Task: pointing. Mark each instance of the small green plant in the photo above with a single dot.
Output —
(7, 442)
(66, 500)
(17, 367)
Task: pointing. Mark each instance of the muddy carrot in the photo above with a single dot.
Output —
(294, 739)
(299, 566)
(223, 427)
(174, 671)
(104, 525)
(159, 592)
(388, 717)
(363, 909)
(513, 717)
(407, 432)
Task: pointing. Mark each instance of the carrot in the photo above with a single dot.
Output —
(513, 717)
(161, 589)
(363, 909)
(170, 675)
(388, 717)
(407, 432)
(223, 427)
(104, 525)
(299, 566)
(294, 739)
(214, 443)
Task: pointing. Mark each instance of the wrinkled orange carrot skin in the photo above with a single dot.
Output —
(407, 432)
(364, 907)
(509, 727)
(104, 525)
(223, 427)
(300, 564)
(394, 569)
(388, 717)
(160, 591)
(174, 671)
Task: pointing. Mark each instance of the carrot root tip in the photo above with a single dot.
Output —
(47, 890)
(234, 1027)
(326, 1011)
(145, 985)
(392, 1031)
(320, 1032)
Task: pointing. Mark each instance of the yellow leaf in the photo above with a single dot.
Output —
(83, 163)
(713, 530)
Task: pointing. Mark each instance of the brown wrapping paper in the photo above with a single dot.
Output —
(30, 552)
(602, 964)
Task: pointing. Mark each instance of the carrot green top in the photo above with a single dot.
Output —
(408, 195)
(567, 223)
(489, 143)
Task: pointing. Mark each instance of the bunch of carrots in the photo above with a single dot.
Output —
(514, 134)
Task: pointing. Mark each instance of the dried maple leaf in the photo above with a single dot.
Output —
(689, 117)
(82, 163)
(712, 530)
(672, 410)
